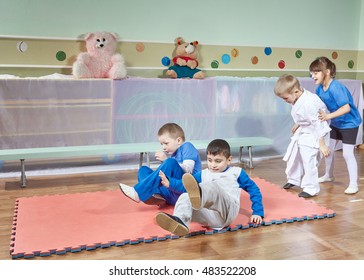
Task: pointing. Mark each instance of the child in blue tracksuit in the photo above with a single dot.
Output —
(344, 116)
(184, 158)
(213, 195)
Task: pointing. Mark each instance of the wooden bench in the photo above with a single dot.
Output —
(108, 149)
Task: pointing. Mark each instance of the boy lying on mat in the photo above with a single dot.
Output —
(178, 157)
(213, 195)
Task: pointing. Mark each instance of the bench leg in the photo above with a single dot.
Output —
(250, 157)
(141, 159)
(250, 152)
(23, 179)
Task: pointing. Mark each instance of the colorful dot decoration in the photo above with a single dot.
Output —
(139, 47)
(22, 46)
(225, 58)
(281, 64)
(351, 64)
(334, 55)
(268, 51)
(298, 54)
(214, 64)
(254, 60)
(234, 52)
(166, 61)
(61, 55)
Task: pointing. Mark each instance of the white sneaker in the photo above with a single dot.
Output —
(129, 192)
(324, 179)
(351, 190)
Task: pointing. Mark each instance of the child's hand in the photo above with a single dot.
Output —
(324, 150)
(256, 219)
(294, 128)
(160, 155)
(164, 179)
(323, 116)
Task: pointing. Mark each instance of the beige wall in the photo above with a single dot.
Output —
(37, 57)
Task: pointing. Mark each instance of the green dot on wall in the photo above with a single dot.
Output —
(351, 64)
(61, 55)
(215, 64)
(298, 54)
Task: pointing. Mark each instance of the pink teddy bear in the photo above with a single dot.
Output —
(101, 59)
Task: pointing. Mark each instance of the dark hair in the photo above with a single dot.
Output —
(173, 129)
(322, 64)
(217, 147)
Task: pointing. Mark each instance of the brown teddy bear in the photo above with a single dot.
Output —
(185, 61)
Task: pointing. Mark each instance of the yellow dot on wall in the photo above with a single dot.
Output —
(234, 52)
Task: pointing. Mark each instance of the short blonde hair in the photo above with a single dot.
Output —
(173, 130)
(286, 84)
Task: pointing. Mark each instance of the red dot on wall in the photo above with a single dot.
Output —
(281, 64)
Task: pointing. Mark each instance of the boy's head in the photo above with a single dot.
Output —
(171, 136)
(288, 88)
(218, 155)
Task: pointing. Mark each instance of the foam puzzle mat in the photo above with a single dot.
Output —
(69, 223)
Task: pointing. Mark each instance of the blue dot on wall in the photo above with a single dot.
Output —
(166, 61)
(268, 51)
(225, 58)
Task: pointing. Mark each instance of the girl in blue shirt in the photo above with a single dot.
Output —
(344, 116)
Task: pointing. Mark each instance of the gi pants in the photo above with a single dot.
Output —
(220, 204)
(302, 168)
(149, 182)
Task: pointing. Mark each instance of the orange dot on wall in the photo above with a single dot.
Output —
(254, 60)
(334, 55)
(140, 47)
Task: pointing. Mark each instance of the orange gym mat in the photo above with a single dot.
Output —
(58, 224)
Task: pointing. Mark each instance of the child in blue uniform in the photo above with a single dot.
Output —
(183, 158)
(345, 119)
(213, 195)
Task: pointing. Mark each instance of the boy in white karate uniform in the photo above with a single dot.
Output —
(310, 136)
(213, 195)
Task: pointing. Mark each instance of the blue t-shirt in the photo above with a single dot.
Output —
(188, 151)
(336, 96)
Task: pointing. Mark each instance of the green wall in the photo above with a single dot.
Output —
(281, 23)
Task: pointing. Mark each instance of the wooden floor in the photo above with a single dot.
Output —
(336, 238)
